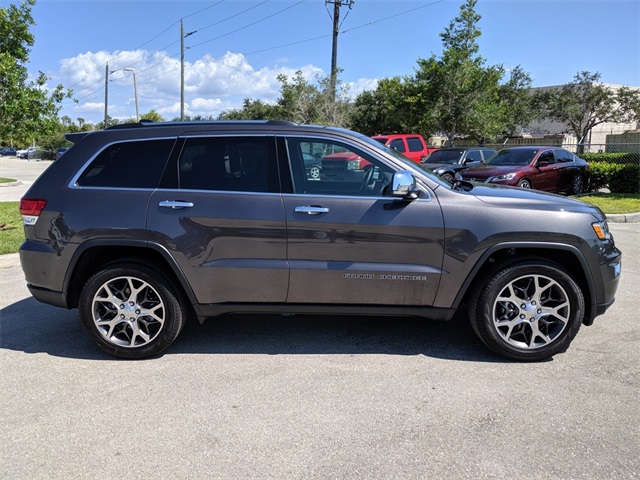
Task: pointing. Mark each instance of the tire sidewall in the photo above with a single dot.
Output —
(482, 317)
(174, 310)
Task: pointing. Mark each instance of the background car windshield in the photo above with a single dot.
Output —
(512, 157)
(444, 156)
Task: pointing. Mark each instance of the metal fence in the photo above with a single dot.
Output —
(625, 153)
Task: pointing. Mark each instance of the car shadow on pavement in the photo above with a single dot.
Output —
(33, 327)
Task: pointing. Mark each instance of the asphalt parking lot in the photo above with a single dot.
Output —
(318, 397)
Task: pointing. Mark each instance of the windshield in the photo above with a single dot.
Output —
(512, 157)
(449, 157)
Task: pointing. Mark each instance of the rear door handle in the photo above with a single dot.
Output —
(175, 205)
(312, 210)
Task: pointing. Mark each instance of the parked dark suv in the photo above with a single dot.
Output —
(142, 225)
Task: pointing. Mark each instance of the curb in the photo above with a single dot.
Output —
(624, 217)
(11, 184)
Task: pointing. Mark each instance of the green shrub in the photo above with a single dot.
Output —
(625, 179)
(599, 175)
(612, 158)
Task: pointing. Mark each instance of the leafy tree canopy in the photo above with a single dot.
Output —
(26, 107)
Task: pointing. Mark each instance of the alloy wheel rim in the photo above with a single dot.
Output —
(531, 312)
(128, 312)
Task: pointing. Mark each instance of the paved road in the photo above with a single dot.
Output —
(318, 397)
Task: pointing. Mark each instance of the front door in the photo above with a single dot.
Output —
(349, 242)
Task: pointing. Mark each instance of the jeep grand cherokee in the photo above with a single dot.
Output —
(142, 225)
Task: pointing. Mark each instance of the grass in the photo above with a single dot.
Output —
(11, 229)
(6, 180)
(12, 232)
(611, 203)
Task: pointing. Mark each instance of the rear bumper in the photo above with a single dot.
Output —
(51, 297)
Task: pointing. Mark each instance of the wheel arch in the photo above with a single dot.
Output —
(564, 255)
(93, 255)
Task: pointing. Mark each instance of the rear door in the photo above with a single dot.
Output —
(220, 215)
(349, 242)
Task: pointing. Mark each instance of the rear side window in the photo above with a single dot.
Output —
(137, 164)
(228, 164)
(414, 143)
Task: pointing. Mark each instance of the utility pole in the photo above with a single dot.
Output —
(181, 70)
(336, 29)
(182, 37)
(106, 94)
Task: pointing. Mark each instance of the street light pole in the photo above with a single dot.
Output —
(135, 90)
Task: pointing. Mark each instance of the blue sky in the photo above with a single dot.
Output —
(240, 46)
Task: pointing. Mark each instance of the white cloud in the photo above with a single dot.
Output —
(212, 85)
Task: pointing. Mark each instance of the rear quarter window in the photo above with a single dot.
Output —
(135, 164)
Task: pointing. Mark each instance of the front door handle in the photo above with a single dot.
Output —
(175, 205)
(312, 210)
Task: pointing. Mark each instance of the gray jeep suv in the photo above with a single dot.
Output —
(143, 225)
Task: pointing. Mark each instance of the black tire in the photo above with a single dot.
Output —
(577, 185)
(525, 183)
(527, 311)
(314, 171)
(131, 310)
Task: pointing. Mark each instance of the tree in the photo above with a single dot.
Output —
(27, 109)
(252, 110)
(383, 110)
(304, 102)
(457, 94)
(300, 101)
(585, 102)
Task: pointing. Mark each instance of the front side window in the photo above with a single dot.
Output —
(344, 170)
(547, 157)
(398, 144)
(137, 164)
(226, 164)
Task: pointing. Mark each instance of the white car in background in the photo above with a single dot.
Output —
(25, 152)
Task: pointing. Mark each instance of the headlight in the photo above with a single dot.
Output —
(506, 176)
(602, 230)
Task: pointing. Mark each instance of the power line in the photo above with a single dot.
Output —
(249, 25)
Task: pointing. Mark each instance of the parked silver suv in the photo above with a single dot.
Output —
(141, 225)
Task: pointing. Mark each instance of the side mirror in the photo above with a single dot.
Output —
(404, 185)
(542, 163)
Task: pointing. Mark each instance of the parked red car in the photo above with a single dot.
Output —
(543, 168)
(411, 145)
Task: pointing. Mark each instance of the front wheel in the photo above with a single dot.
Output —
(131, 311)
(447, 176)
(528, 311)
(524, 183)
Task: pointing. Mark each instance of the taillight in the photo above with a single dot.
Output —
(30, 209)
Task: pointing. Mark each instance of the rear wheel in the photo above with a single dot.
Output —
(131, 311)
(527, 311)
(577, 185)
